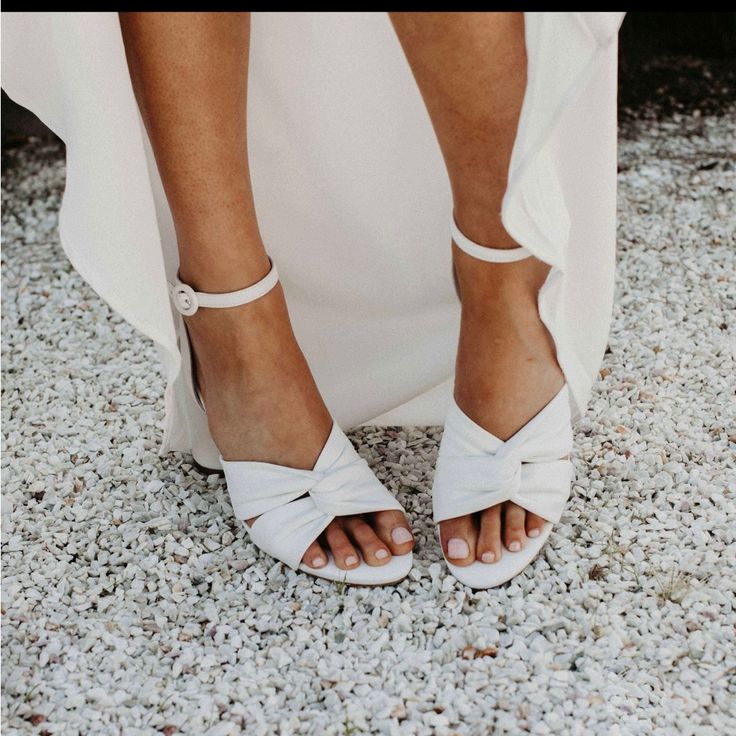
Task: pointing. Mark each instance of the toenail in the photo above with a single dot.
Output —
(533, 533)
(457, 548)
(488, 557)
(401, 535)
(515, 546)
(318, 562)
(351, 560)
(381, 554)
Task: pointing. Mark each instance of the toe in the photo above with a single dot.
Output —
(393, 530)
(373, 550)
(459, 539)
(315, 556)
(345, 555)
(489, 536)
(514, 535)
(534, 524)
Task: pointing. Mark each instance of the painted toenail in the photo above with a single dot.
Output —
(351, 560)
(381, 554)
(515, 546)
(318, 562)
(457, 548)
(533, 533)
(488, 557)
(401, 535)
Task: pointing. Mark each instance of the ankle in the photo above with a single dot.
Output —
(498, 286)
(257, 332)
(245, 340)
(491, 300)
(215, 275)
(218, 264)
(479, 218)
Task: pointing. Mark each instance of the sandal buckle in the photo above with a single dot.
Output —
(185, 299)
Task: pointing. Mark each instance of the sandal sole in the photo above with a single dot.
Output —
(394, 571)
(482, 576)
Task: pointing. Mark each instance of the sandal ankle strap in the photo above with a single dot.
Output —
(187, 301)
(484, 253)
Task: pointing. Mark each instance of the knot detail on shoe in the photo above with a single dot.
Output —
(476, 470)
(294, 506)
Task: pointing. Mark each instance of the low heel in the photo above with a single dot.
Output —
(204, 451)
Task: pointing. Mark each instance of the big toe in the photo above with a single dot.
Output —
(394, 531)
(315, 556)
(459, 538)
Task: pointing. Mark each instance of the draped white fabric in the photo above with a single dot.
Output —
(351, 194)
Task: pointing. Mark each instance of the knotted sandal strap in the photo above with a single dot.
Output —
(295, 506)
(476, 470)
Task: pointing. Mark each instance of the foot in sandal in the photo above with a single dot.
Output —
(293, 476)
(502, 475)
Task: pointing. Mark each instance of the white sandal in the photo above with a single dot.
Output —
(293, 506)
(476, 470)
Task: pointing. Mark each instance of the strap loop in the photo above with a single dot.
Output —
(482, 252)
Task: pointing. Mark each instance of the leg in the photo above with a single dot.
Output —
(189, 72)
(471, 71)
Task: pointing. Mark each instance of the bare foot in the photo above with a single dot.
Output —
(506, 372)
(263, 404)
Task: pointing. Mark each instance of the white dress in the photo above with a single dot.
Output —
(351, 192)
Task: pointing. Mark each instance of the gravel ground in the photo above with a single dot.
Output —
(133, 602)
